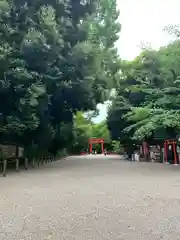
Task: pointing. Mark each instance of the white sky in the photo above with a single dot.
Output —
(143, 20)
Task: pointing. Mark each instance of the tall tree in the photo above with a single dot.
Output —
(56, 58)
(149, 86)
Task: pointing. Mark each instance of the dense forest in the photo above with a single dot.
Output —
(146, 105)
(58, 60)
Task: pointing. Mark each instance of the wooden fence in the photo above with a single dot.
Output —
(14, 156)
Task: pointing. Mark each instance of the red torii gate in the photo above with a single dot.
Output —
(96, 141)
(173, 143)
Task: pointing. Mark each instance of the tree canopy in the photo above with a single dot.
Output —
(146, 105)
(56, 58)
(85, 129)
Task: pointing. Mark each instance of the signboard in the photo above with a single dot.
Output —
(11, 151)
(155, 153)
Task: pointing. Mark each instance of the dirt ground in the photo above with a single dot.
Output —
(91, 198)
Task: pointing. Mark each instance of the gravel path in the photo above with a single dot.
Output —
(91, 198)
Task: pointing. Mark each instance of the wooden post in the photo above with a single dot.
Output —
(17, 164)
(102, 147)
(38, 162)
(175, 156)
(146, 150)
(165, 153)
(4, 167)
(26, 163)
(90, 148)
(33, 162)
(42, 160)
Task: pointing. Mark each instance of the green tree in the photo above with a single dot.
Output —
(82, 132)
(56, 58)
(85, 129)
(148, 92)
(100, 130)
